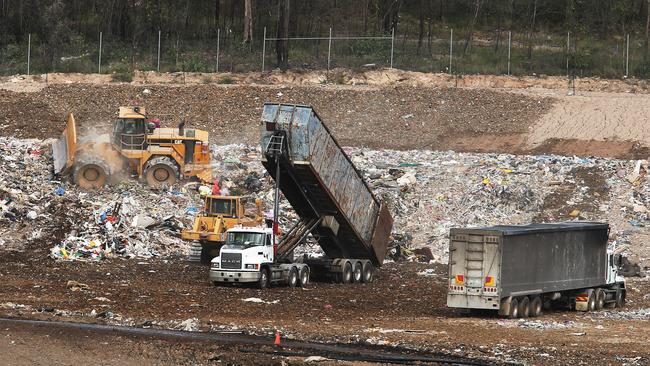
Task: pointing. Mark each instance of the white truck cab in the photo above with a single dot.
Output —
(248, 256)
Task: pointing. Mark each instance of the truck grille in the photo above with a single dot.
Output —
(231, 260)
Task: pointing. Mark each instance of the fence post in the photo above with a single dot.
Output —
(29, 50)
(329, 51)
(158, 67)
(263, 49)
(99, 69)
(218, 39)
(451, 49)
(509, 46)
(568, 50)
(627, 56)
(392, 47)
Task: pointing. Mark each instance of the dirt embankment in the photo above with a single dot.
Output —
(391, 117)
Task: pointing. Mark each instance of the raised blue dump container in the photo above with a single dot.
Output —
(318, 175)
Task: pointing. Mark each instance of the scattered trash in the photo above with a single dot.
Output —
(260, 301)
(76, 286)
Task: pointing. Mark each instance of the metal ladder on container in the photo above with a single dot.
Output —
(474, 256)
(275, 147)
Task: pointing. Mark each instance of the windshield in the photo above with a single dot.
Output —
(220, 207)
(247, 240)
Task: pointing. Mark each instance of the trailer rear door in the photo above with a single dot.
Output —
(473, 271)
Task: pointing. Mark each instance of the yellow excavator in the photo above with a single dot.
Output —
(219, 214)
(137, 145)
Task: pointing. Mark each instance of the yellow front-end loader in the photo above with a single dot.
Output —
(219, 214)
(136, 146)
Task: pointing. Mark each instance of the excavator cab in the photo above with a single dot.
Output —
(130, 129)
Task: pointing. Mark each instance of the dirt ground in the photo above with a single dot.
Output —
(402, 308)
(379, 109)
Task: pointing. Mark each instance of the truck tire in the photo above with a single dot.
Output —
(591, 303)
(293, 277)
(160, 171)
(195, 252)
(536, 306)
(368, 272)
(524, 307)
(346, 276)
(264, 281)
(91, 172)
(304, 276)
(514, 309)
(600, 298)
(358, 273)
(620, 298)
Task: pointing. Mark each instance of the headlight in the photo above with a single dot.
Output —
(252, 266)
(215, 265)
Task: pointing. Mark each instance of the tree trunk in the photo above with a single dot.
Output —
(282, 45)
(248, 21)
(470, 34)
(421, 33)
(647, 29)
(531, 30)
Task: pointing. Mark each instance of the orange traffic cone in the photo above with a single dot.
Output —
(277, 338)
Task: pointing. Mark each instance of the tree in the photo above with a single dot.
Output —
(248, 21)
(472, 23)
(282, 44)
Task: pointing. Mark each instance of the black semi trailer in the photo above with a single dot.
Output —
(518, 270)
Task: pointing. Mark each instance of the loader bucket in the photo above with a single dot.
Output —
(63, 150)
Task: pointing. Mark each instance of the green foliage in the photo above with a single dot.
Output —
(226, 80)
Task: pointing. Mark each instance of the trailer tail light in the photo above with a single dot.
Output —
(460, 279)
(489, 281)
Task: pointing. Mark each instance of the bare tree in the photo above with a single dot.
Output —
(472, 23)
(282, 44)
(532, 29)
(248, 21)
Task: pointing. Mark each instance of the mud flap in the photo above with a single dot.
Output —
(504, 308)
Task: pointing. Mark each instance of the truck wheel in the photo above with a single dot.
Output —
(304, 276)
(600, 299)
(536, 306)
(620, 298)
(263, 282)
(160, 171)
(591, 303)
(347, 273)
(358, 272)
(91, 173)
(524, 307)
(514, 309)
(293, 277)
(368, 272)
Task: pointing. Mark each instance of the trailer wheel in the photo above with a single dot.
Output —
(347, 273)
(514, 309)
(591, 303)
(358, 272)
(524, 307)
(293, 277)
(600, 299)
(368, 272)
(536, 306)
(263, 282)
(620, 298)
(304, 276)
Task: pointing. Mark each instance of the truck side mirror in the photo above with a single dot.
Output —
(151, 127)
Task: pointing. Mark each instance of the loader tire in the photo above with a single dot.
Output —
(161, 171)
(91, 172)
(195, 252)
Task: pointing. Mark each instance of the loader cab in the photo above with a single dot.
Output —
(130, 129)
(224, 206)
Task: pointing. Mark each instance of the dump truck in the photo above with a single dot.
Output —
(520, 270)
(334, 203)
(219, 214)
(136, 146)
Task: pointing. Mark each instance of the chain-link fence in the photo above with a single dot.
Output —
(454, 51)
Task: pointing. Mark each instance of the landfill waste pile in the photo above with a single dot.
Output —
(428, 192)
